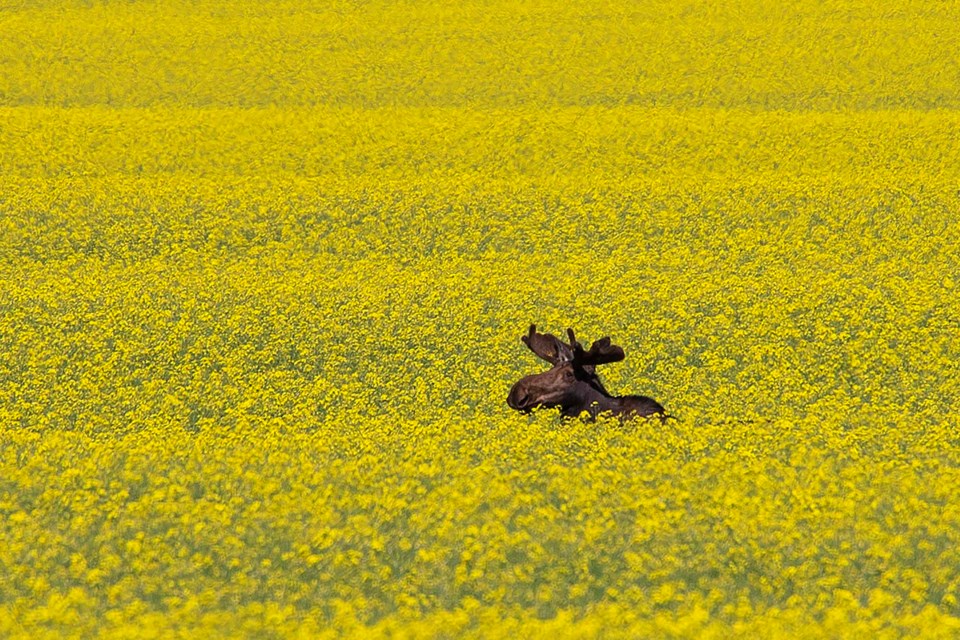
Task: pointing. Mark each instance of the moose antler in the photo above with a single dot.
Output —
(547, 346)
(601, 351)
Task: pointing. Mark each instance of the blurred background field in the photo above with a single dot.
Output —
(264, 268)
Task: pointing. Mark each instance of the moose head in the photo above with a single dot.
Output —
(572, 383)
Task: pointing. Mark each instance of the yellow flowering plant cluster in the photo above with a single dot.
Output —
(264, 269)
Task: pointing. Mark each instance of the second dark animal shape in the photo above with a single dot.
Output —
(572, 383)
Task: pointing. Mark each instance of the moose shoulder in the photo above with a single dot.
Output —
(572, 383)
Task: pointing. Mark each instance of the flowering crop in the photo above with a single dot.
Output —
(264, 268)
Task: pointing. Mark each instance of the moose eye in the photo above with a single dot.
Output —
(568, 375)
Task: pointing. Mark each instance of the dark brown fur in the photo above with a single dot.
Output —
(572, 383)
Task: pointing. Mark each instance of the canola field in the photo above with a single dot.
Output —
(264, 269)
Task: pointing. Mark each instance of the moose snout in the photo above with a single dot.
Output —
(518, 398)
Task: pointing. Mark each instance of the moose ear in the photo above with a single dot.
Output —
(547, 346)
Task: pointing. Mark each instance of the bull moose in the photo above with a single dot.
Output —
(572, 383)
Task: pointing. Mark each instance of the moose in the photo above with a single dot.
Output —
(572, 383)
